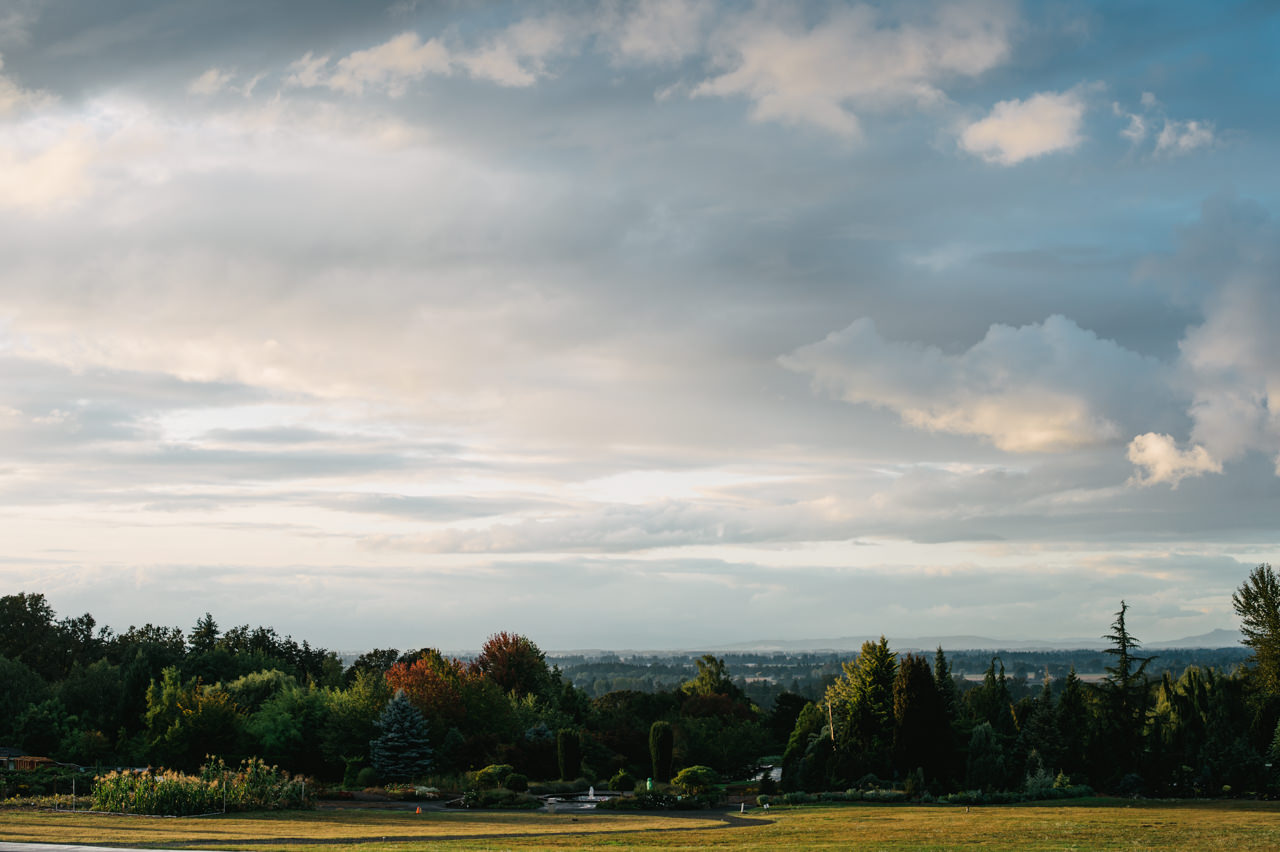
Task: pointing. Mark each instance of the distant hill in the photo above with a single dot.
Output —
(1219, 638)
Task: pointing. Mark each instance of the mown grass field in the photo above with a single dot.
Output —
(1091, 825)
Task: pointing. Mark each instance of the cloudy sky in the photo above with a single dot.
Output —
(648, 325)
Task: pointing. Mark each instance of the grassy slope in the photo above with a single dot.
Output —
(1236, 826)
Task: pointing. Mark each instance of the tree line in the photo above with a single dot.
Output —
(84, 694)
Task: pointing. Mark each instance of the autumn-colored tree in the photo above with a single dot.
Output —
(515, 664)
(435, 685)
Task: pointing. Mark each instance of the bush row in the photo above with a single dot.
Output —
(964, 797)
(655, 801)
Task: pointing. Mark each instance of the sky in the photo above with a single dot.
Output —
(662, 324)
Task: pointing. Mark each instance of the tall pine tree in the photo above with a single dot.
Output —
(401, 752)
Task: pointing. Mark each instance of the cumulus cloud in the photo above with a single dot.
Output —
(1014, 130)
(1174, 137)
(1162, 461)
(390, 66)
(822, 75)
(1228, 263)
(515, 56)
(1046, 387)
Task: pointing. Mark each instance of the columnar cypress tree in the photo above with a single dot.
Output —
(569, 753)
(401, 751)
(662, 741)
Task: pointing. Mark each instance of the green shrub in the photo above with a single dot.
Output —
(491, 777)
(366, 777)
(558, 788)
(622, 782)
(696, 780)
(483, 799)
(517, 783)
(654, 801)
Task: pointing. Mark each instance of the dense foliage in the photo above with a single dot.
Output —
(156, 696)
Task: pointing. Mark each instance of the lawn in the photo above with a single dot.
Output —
(1092, 825)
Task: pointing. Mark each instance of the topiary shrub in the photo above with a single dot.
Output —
(696, 779)
(366, 777)
(516, 782)
(491, 777)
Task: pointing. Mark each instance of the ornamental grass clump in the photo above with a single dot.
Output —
(254, 786)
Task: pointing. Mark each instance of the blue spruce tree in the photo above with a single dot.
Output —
(401, 752)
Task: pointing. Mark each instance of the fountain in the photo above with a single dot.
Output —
(591, 793)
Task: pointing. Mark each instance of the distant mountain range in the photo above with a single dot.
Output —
(1214, 639)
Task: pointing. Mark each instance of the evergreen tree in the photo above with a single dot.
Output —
(401, 750)
(1038, 734)
(861, 707)
(1072, 717)
(1123, 699)
(991, 702)
(662, 740)
(986, 767)
(204, 636)
(569, 753)
(810, 725)
(1257, 602)
(919, 722)
(945, 684)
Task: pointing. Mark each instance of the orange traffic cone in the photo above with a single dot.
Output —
(419, 810)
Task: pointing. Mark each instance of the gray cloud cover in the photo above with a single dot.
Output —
(688, 307)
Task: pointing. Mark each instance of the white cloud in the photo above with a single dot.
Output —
(1016, 130)
(819, 75)
(1183, 137)
(1162, 461)
(1230, 362)
(210, 82)
(516, 56)
(308, 72)
(389, 66)
(1175, 137)
(1048, 387)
